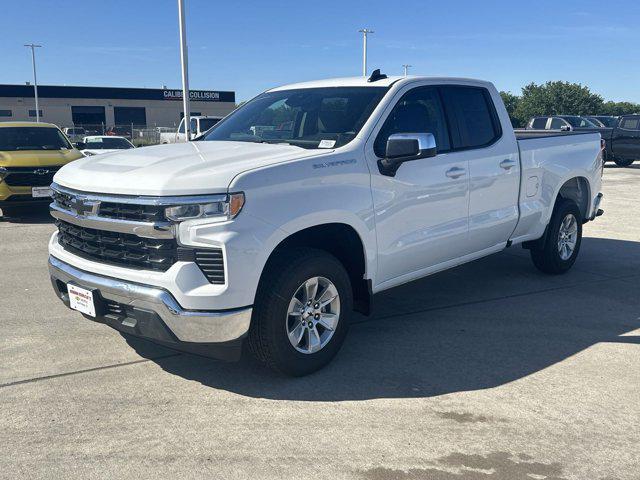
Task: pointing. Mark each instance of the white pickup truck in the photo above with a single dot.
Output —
(199, 125)
(351, 187)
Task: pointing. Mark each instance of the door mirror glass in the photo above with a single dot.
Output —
(404, 147)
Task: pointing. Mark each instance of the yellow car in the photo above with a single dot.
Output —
(30, 154)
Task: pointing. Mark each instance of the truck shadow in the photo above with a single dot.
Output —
(478, 326)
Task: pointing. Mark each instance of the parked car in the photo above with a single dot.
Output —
(98, 144)
(119, 131)
(74, 133)
(604, 121)
(277, 237)
(560, 122)
(30, 154)
(623, 141)
(199, 125)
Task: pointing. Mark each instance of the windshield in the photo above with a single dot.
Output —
(32, 138)
(308, 118)
(107, 143)
(579, 122)
(207, 123)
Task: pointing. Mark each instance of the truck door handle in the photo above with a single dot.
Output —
(455, 172)
(507, 164)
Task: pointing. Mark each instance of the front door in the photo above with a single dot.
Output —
(421, 213)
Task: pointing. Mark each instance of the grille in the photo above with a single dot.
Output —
(131, 251)
(26, 177)
(137, 213)
(117, 211)
(117, 248)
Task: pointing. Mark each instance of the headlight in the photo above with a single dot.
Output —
(219, 211)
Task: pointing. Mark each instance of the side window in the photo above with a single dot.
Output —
(471, 111)
(630, 123)
(539, 123)
(557, 123)
(418, 111)
(181, 127)
(194, 126)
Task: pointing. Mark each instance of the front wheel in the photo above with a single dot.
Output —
(623, 162)
(301, 314)
(562, 242)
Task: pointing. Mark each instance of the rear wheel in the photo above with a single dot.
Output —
(301, 314)
(561, 245)
(623, 162)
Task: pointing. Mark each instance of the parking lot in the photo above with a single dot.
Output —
(490, 370)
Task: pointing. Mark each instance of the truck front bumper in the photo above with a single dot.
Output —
(153, 313)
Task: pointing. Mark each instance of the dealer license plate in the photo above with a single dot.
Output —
(39, 192)
(81, 299)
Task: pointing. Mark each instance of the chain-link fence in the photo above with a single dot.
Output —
(139, 135)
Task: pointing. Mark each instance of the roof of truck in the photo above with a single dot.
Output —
(363, 82)
(27, 124)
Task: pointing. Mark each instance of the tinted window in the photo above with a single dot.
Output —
(307, 117)
(557, 123)
(608, 121)
(579, 122)
(32, 138)
(418, 111)
(101, 143)
(207, 123)
(630, 123)
(181, 127)
(32, 113)
(539, 123)
(5, 113)
(471, 111)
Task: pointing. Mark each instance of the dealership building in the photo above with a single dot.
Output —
(108, 106)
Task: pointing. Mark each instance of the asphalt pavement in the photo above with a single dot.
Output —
(489, 371)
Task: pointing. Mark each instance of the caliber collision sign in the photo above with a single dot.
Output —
(194, 95)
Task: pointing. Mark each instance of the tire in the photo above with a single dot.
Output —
(550, 257)
(271, 323)
(623, 162)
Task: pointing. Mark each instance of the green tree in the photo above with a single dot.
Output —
(557, 98)
(619, 108)
(511, 102)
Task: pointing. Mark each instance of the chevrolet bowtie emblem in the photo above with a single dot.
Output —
(84, 207)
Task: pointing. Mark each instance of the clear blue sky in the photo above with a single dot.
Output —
(250, 45)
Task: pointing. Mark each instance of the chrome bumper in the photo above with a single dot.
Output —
(193, 326)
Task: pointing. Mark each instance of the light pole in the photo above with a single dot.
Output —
(33, 47)
(406, 69)
(185, 70)
(365, 32)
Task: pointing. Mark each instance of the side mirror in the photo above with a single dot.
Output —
(404, 147)
(565, 128)
(80, 145)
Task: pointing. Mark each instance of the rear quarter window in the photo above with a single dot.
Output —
(473, 115)
(632, 123)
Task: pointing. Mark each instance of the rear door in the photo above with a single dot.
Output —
(626, 141)
(494, 165)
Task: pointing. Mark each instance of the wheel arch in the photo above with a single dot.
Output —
(342, 241)
(577, 189)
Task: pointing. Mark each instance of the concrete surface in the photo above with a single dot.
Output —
(491, 370)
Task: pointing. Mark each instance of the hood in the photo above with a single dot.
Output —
(37, 158)
(176, 169)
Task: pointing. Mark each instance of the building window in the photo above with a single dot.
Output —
(5, 113)
(32, 113)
